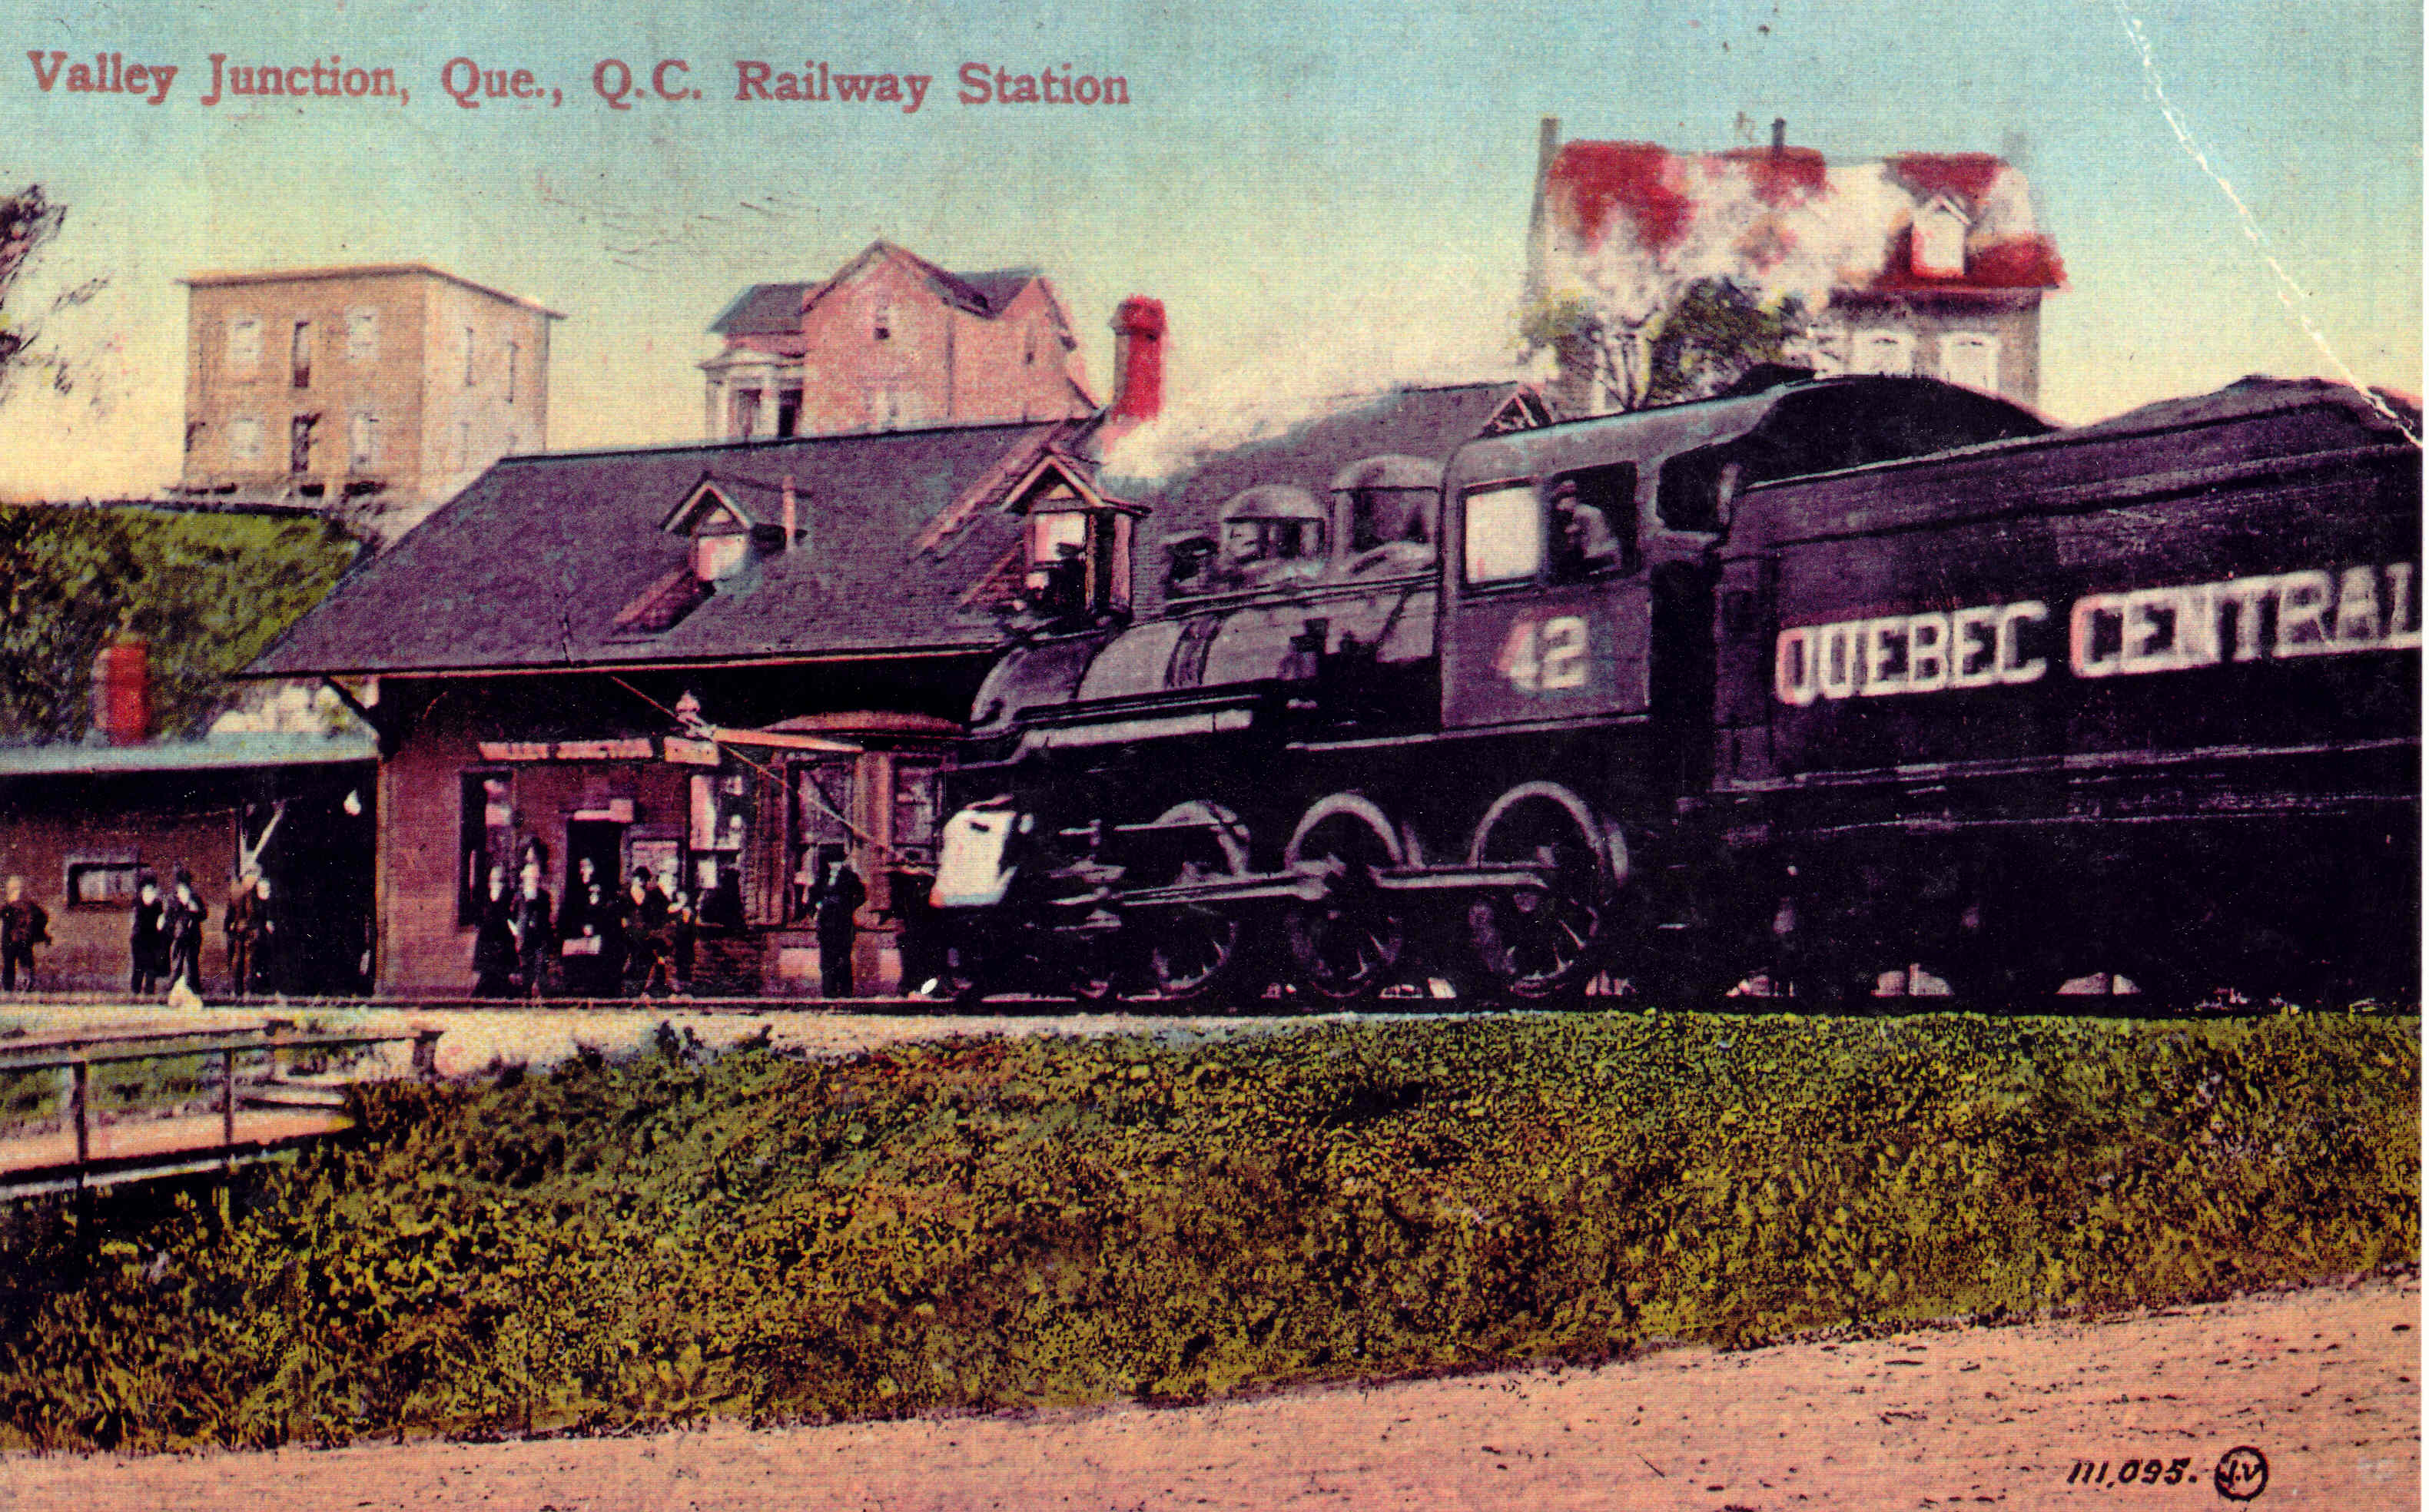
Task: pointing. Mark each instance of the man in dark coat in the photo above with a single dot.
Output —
(493, 939)
(24, 925)
(836, 899)
(645, 932)
(147, 939)
(534, 922)
(240, 924)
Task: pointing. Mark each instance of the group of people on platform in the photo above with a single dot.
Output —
(635, 941)
(165, 940)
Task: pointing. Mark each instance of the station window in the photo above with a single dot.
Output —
(486, 839)
(102, 883)
(915, 809)
(298, 442)
(300, 355)
(1504, 534)
(719, 837)
(822, 794)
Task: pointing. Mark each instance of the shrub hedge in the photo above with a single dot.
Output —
(995, 1223)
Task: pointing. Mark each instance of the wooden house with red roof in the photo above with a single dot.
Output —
(1922, 263)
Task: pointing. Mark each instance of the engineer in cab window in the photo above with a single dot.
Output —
(1583, 542)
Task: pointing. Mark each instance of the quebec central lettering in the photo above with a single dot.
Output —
(2316, 612)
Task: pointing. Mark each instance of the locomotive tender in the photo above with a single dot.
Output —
(1822, 687)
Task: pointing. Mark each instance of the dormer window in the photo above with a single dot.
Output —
(1074, 561)
(1940, 240)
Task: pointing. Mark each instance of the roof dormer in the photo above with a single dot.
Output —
(1939, 230)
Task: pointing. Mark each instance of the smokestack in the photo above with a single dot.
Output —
(122, 691)
(1139, 360)
(1780, 134)
(792, 513)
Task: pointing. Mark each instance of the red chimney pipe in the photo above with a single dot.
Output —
(122, 691)
(1138, 359)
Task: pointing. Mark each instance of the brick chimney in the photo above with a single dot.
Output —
(1138, 361)
(122, 691)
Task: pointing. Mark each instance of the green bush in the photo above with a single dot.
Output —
(990, 1223)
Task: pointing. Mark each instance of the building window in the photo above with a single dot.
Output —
(1939, 241)
(882, 329)
(362, 442)
(244, 440)
(103, 883)
(298, 442)
(244, 342)
(746, 413)
(487, 834)
(362, 336)
(1880, 352)
(1972, 358)
(299, 353)
(463, 445)
(467, 357)
(1029, 348)
(514, 360)
(788, 411)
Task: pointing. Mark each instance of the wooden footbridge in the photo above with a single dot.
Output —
(263, 1090)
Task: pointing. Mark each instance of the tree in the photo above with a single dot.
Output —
(30, 221)
(1692, 342)
(209, 591)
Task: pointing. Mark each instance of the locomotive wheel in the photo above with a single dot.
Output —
(1348, 944)
(1191, 951)
(1537, 943)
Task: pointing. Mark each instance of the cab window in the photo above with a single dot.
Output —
(1504, 533)
(1593, 522)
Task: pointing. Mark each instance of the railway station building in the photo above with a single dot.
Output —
(734, 661)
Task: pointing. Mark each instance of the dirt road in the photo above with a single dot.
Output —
(2324, 1383)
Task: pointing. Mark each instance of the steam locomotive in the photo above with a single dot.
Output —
(1824, 688)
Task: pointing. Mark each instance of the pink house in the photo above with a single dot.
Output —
(891, 342)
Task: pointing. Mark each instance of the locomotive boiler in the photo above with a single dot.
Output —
(1822, 687)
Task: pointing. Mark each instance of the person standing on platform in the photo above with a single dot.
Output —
(681, 929)
(242, 930)
(839, 897)
(147, 940)
(534, 922)
(24, 925)
(493, 939)
(184, 918)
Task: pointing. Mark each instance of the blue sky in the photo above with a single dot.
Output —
(1326, 196)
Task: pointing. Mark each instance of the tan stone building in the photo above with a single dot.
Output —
(893, 342)
(377, 390)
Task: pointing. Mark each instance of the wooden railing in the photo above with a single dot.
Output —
(30, 1166)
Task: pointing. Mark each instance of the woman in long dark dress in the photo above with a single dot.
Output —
(183, 919)
(493, 942)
